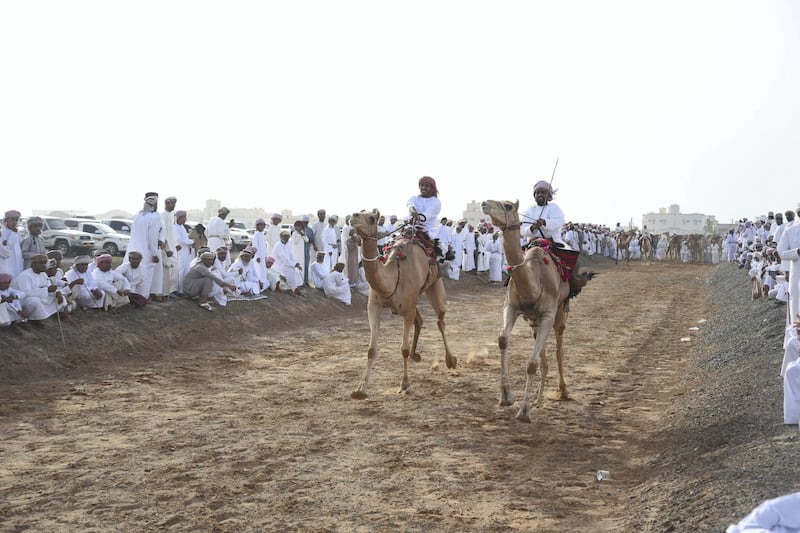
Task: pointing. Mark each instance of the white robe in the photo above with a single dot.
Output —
(285, 264)
(135, 277)
(110, 282)
(318, 273)
(429, 208)
(185, 254)
(11, 261)
(469, 252)
(39, 303)
(778, 515)
(169, 264)
(554, 220)
(495, 249)
(11, 311)
(82, 293)
(218, 234)
(337, 286)
(144, 239)
(260, 258)
(245, 276)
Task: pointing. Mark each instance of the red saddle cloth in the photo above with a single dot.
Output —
(414, 235)
(565, 259)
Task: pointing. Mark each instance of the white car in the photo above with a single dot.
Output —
(103, 235)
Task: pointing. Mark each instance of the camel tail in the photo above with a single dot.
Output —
(579, 281)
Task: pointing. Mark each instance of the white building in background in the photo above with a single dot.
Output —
(672, 221)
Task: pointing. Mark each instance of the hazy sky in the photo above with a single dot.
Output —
(344, 104)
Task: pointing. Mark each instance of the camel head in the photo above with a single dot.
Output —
(365, 223)
(504, 213)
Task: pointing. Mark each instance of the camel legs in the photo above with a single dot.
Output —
(374, 315)
(562, 384)
(509, 319)
(438, 298)
(409, 344)
(545, 324)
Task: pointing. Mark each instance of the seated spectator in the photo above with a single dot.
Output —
(286, 264)
(66, 305)
(84, 290)
(220, 268)
(11, 312)
(275, 280)
(245, 275)
(201, 279)
(41, 297)
(114, 285)
(319, 271)
(336, 285)
(135, 275)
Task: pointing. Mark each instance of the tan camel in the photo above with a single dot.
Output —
(396, 283)
(646, 244)
(623, 245)
(536, 291)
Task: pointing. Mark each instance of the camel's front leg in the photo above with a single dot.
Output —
(374, 315)
(417, 329)
(536, 359)
(562, 384)
(409, 321)
(509, 318)
(438, 298)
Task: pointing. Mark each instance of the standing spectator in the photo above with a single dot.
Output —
(33, 244)
(470, 247)
(217, 231)
(730, 245)
(199, 239)
(331, 243)
(11, 260)
(457, 244)
(299, 241)
(169, 252)
(273, 231)
(145, 231)
(317, 228)
(496, 253)
(183, 249)
(309, 247)
(789, 250)
(261, 251)
(353, 247)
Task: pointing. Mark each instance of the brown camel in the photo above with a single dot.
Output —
(646, 244)
(623, 245)
(396, 282)
(536, 291)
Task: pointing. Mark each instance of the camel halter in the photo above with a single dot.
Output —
(369, 260)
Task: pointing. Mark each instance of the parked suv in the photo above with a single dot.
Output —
(240, 239)
(57, 236)
(120, 225)
(102, 234)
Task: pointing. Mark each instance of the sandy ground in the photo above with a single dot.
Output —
(257, 432)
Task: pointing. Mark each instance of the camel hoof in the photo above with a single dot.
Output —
(404, 392)
(416, 357)
(451, 361)
(563, 396)
(523, 417)
(506, 398)
(358, 395)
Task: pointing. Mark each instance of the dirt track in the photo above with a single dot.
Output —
(261, 434)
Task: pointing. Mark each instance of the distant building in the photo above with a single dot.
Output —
(672, 221)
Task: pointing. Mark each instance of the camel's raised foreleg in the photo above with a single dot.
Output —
(438, 299)
(509, 318)
(374, 310)
(545, 324)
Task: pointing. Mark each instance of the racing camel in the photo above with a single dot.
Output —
(537, 291)
(396, 282)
